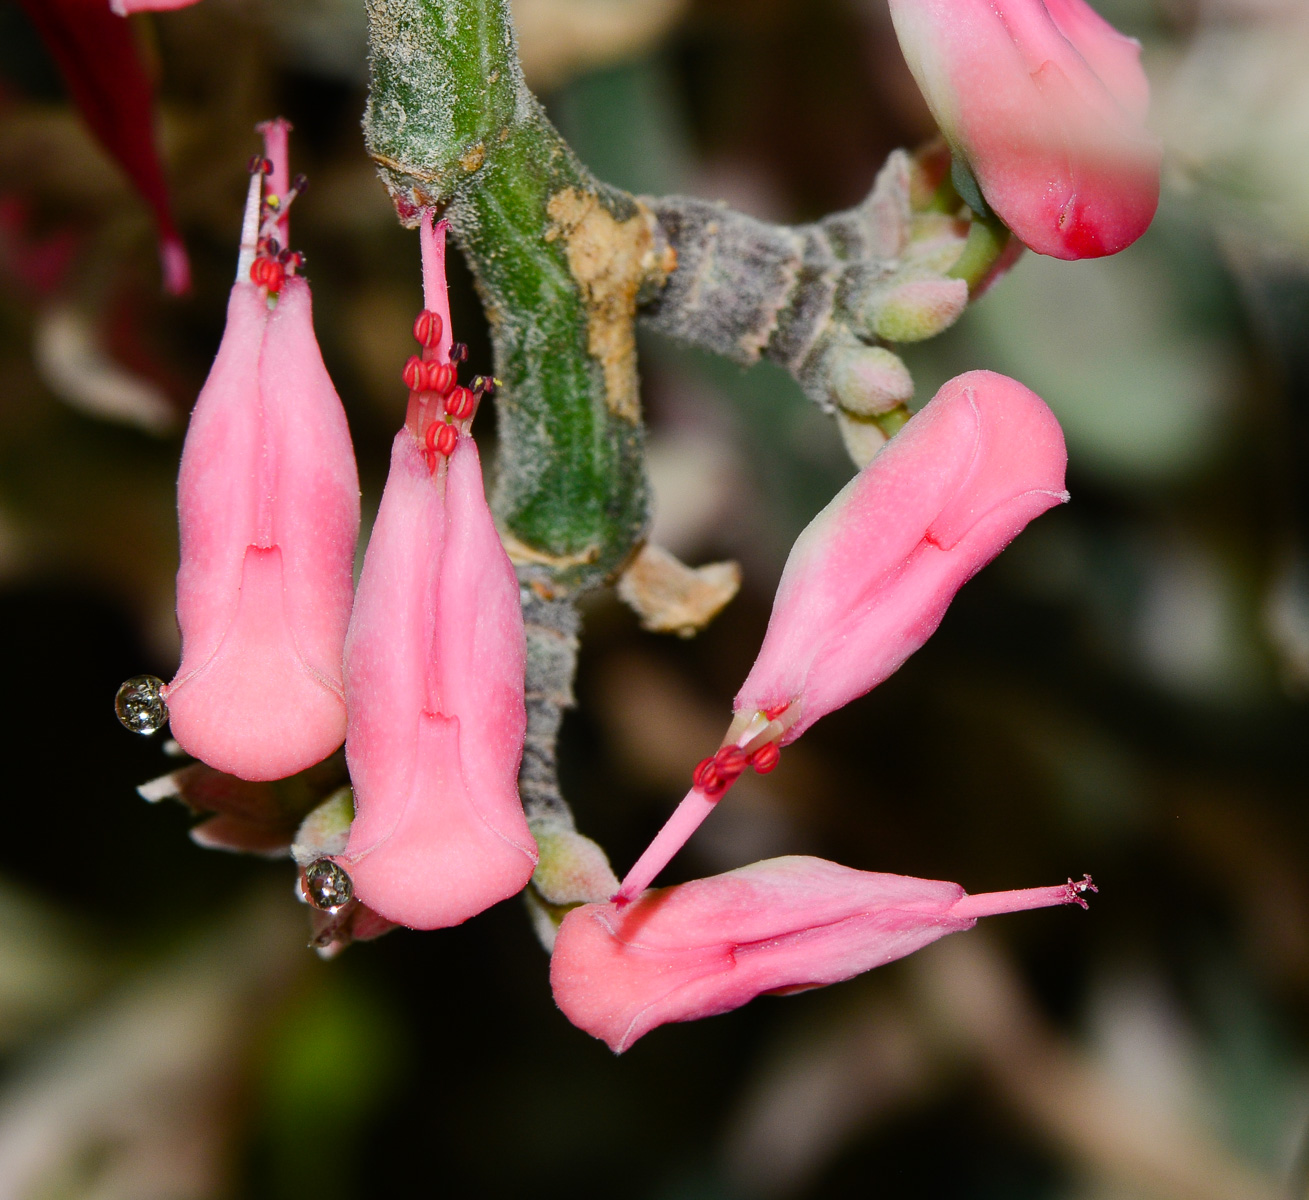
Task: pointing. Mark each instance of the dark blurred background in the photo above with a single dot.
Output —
(1123, 692)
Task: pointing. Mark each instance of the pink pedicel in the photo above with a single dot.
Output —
(868, 581)
(1046, 102)
(268, 503)
(97, 56)
(435, 660)
(783, 925)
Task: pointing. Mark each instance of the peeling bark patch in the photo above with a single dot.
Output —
(521, 554)
(610, 260)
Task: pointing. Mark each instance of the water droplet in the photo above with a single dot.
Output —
(140, 704)
(327, 886)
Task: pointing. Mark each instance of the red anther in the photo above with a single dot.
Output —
(765, 758)
(442, 437)
(258, 271)
(274, 277)
(777, 710)
(460, 403)
(430, 437)
(429, 457)
(458, 352)
(415, 374)
(271, 246)
(427, 329)
(440, 377)
(299, 184)
(706, 778)
(730, 761)
(259, 165)
(293, 260)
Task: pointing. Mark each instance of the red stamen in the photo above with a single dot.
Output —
(442, 437)
(274, 277)
(460, 403)
(777, 710)
(458, 352)
(440, 377)
(429, 457)
(706, 777)
(427, 329)
(415, 374)
(765, 758)
(730, 761)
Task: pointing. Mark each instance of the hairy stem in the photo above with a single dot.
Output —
(560, 260)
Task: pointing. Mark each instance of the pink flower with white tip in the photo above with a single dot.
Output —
(268, 504)
(435, 660)
(783, 925)
(868, 581)
(1046, 103)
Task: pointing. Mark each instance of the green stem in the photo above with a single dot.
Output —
(987, 240)
(559, 259)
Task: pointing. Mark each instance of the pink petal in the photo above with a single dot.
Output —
(268, 503)
(434, 674)
(1046, 103)
(787, 924)
(870, 579)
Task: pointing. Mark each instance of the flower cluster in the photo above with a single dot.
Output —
(864, 587)
(420, 671)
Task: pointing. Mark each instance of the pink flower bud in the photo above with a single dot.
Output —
(435, 659)
(268, 503)
(1046, 103)
(784, 925)
(869, 580)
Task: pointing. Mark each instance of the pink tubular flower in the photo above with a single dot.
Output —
(868, 581)
(784, 925)
(97, 56)
(1046, 103)
(435, 659)
(268, 503)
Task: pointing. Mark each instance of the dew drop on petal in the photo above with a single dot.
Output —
(327, 886)
(140, 704)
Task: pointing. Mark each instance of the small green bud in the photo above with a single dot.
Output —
(915, 311)
(866, 380)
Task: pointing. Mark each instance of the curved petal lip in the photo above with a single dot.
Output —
(263, 723)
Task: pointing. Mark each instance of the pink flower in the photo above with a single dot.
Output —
(869, 580)
(435, 659)
(784, 925)
(268, 502)
(97, 56)
(1046, 103)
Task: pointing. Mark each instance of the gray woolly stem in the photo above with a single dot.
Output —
(552, 629)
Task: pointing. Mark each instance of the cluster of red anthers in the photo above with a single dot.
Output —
(714, 775)
(439, 406)
(272, 262)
